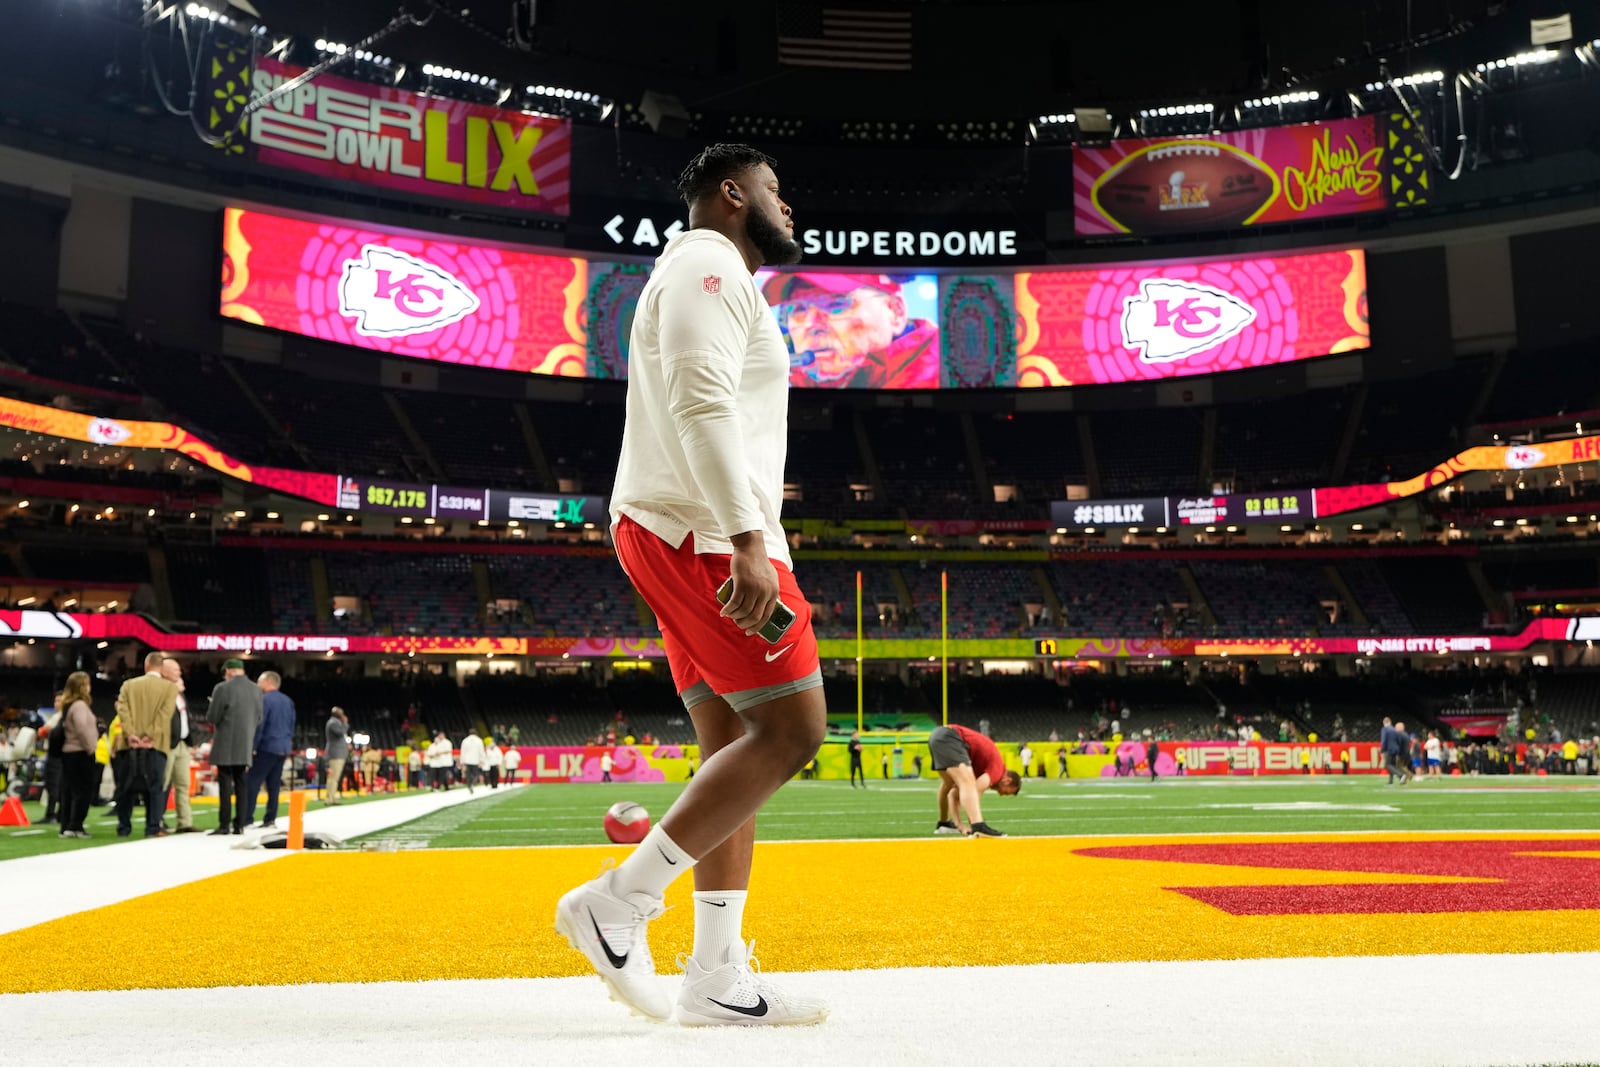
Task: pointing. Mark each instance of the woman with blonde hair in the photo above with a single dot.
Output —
(79, 777)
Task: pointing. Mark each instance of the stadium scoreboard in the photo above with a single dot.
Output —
(423, 501)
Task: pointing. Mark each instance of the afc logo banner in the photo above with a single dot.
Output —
(1171, 320)
(393, 294)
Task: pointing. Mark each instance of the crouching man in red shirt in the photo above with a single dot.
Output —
(968, 763)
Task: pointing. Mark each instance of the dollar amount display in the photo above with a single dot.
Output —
(397, 499)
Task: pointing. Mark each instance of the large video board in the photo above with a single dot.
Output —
(430, 297)
(1165, 185)
(412, 143)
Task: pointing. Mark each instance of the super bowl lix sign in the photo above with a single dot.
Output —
(352, 131)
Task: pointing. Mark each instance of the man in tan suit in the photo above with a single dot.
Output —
(145, 705)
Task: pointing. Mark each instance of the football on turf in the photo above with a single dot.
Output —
(627, 823)
(1185, 185)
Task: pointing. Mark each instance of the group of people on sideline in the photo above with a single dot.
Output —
(153, 742)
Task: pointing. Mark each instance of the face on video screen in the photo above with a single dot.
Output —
(858, 331)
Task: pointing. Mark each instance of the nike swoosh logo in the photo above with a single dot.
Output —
(770, 657)
(715, 904)
(755, 1011)
(617, 961)
(670, 861)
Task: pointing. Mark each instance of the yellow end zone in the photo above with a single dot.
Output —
(407, 916)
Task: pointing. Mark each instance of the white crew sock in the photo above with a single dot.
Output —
(653, 866)
(719, 927)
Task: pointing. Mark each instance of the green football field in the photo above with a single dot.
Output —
(812, 810)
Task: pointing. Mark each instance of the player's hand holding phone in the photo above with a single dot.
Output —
(750, 595)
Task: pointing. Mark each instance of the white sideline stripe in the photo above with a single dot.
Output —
(65, 883)
(1178, 1013)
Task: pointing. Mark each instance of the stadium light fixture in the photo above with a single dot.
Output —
(483, 522)
(1499, 522)
(513, 524)
(1304, 96)
(25, 601)
(322, 518)
(1356, 526)
(200, 11)
(1088, 529)
(1521, 59)
(1285, 529)
(405, 520)
(432, 70)
(102, 644)
(240, 514)
(272, 514)
(22, 505)
(429, 521)
(1429, 77)
(1522, 522)
(73, 509)
(1180, 109)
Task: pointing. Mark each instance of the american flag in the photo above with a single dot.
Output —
(845, 38)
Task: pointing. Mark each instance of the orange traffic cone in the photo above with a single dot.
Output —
(12, 814)
(172, 800)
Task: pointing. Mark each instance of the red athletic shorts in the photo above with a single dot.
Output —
(681, 588)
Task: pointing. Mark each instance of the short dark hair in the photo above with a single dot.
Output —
(1014, 779)
(716, 164)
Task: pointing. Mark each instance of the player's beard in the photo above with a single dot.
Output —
(777, 248)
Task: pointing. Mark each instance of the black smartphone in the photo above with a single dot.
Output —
(776, 627)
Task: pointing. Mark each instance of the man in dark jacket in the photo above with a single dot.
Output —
(1396, 744)
(336, 734)
(274, 742)
(235, 711)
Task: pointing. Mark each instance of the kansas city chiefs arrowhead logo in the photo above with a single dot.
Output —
(392, 294)
(1172, 320)
(1521, 457)
(108, 432)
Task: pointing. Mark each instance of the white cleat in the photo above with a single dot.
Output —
(611, 932)
(737, 994)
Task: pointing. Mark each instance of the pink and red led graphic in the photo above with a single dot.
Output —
(1147, 323)
(405, 295)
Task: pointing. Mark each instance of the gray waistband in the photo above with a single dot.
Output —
(745, 699)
